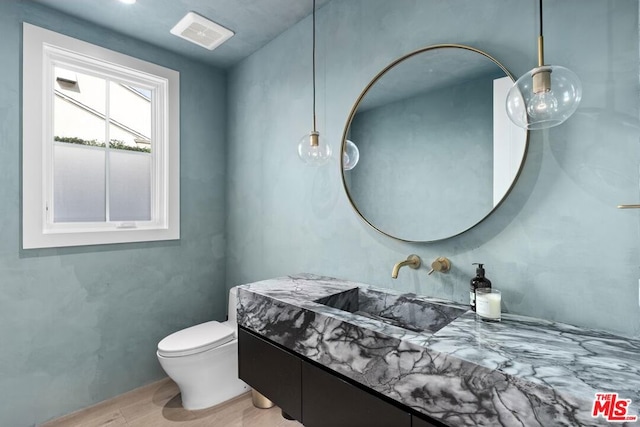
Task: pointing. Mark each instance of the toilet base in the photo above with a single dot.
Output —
(206, 379)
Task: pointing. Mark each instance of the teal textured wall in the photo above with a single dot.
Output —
(79, 325)
(558, 248)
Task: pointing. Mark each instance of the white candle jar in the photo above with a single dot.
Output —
(488, 302)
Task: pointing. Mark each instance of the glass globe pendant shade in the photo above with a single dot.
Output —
(350, 156)
(544, 97)
(312, 152)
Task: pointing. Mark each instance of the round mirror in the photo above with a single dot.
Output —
(437, 152)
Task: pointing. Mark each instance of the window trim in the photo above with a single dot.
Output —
(42, 49)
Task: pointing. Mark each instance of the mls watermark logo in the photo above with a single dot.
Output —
(612, 408)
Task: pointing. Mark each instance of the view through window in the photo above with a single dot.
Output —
(95, 181)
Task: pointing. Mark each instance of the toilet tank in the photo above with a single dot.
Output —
(232, 307)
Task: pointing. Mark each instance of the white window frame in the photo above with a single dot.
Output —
(44, 49)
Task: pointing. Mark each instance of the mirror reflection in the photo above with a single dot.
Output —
(437, 151)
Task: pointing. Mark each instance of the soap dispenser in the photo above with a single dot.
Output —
(480, 281)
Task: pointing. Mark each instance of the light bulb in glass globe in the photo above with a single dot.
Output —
(544, 97)
(312, 151)
(543, 106)
(350, 156)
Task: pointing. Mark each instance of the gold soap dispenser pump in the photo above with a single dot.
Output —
(480, 281)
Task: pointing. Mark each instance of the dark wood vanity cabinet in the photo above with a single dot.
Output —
(272, 371)
(329, 401)
(311, 394)
(418, 422)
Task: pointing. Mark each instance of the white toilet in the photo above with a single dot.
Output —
(203, 361)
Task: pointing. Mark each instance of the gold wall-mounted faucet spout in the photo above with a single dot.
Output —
(412, 261)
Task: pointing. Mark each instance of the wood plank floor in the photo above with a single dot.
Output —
(159, 405)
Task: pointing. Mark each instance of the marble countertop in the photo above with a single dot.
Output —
(519, 372)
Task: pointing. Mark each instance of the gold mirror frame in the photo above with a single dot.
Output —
(357, 104)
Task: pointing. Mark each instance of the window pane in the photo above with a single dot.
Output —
(129, 186)
(79, 107)
(78, 183)
(130, 112)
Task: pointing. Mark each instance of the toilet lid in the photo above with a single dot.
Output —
(196, 339)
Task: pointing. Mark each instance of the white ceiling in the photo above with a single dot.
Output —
(255, 22)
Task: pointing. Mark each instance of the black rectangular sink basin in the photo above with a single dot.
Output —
(407, 311)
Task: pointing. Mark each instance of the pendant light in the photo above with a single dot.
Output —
(545, 96)
(350, 156)
(310, 148)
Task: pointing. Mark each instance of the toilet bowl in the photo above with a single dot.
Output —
(203, 361)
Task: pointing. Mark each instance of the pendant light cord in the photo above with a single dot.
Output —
(314, 66)
(540, 39)
(540, 18)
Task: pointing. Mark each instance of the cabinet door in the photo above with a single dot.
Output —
(271, 371)
(332, 402)
(417, 422)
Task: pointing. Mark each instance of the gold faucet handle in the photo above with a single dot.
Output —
(441, 264)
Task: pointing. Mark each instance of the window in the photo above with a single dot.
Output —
(100, 145)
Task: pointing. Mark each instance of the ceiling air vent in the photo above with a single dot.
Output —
(201, 31)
